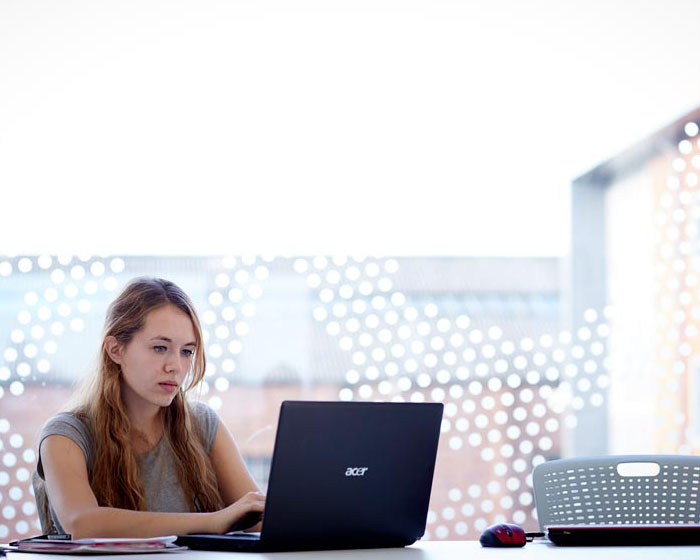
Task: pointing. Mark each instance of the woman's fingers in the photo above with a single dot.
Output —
(247, 511)
(253, 498)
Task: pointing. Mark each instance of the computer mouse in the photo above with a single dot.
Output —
(503, 535)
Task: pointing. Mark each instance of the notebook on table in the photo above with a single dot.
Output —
(344, 475)
(63, 544)
(625, 535)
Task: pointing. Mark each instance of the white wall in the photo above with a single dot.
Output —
(364, 126)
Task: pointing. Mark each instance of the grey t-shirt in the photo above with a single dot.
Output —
(156, 468)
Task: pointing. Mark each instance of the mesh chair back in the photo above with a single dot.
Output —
(622, 489)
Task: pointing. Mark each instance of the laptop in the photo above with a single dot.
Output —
(625, 534)
(344, 475)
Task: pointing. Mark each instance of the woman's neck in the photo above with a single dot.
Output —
(146, 421)
(146, 433)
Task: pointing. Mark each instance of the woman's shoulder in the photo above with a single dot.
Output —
(207, 420)
(73, 425)
(67, 423)
(203, 412)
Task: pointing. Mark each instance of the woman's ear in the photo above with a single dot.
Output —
(114, 349)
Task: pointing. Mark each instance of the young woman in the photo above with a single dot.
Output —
(135, 458)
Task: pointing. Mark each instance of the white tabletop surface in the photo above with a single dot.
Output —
(428, 550)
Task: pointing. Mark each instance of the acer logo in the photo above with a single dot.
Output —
(356, 471)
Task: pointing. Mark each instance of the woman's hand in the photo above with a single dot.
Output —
(250, 503)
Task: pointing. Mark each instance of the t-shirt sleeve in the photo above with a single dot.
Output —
(208, 421)
(70, 426)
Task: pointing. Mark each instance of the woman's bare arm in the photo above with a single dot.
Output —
(77, 509)
(232, 475)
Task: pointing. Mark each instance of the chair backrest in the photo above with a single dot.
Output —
(622, 489)
(42, 505)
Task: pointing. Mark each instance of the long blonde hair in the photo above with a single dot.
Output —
(114, 474)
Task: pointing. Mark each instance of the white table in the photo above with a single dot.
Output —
(429, 550)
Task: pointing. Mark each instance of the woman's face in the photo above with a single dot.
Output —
(155, 362)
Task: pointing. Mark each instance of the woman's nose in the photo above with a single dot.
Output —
(172, 365)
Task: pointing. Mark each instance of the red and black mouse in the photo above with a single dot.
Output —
(503, 535)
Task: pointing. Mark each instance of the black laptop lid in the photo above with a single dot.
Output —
(352, 473)
(625, 535)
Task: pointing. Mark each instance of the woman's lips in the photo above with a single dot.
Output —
(169, 386)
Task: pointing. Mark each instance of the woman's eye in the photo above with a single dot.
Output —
(160, 348)
(188, 353)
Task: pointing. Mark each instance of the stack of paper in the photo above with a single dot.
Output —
(99, 546)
